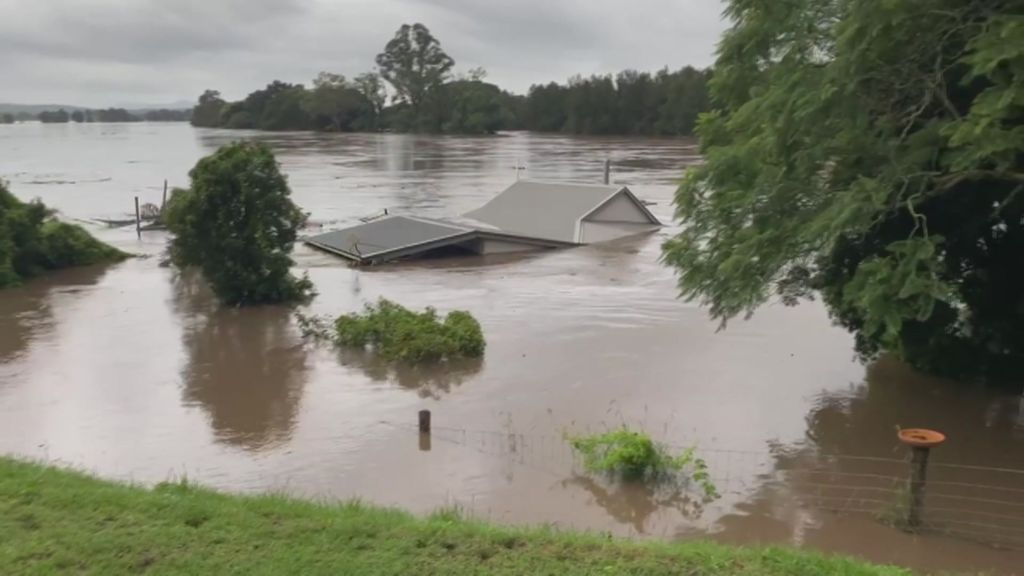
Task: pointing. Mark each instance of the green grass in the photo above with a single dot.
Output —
(55, 521)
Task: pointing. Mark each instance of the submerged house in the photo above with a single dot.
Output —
(526, 216)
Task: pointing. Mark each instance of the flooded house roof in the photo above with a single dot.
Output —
(526, 216)
(381, 237)
(548, 210)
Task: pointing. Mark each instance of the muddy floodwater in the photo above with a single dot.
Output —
(133, 371)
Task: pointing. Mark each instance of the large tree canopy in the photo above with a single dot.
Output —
(870, 151)
(414, 63)
(207, 111)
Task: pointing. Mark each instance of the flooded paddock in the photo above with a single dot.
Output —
(134, 372)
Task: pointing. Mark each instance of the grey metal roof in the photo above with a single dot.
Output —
(385, 235)
(537, 214)
(543, 209)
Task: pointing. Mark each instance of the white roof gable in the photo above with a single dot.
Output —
(546, 210)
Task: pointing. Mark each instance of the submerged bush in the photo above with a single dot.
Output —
(237, 224)
(397, 333)
(635, 456)
(32, 241)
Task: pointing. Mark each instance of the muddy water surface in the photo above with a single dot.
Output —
(134, 372)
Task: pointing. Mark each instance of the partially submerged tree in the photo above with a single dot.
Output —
(371, 87)
(237, 224)
(415, 65)
(870, 151)
(334, 104)
(33, 241)
(397, 333)
(473, 106)
(207, 111)
(54, 116)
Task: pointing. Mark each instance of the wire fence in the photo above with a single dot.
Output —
(977, 503)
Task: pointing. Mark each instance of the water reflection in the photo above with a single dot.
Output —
(27, 311)
(246, 367)
(982, 425)
(429, 381)
(842, 486)
(636, 503)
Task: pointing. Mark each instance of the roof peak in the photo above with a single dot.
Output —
(595, 185)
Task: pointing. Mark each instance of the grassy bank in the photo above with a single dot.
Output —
(55, 521)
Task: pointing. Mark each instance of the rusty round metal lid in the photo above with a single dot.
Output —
(921, 437)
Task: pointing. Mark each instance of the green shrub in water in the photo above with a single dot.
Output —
(397, 333)
(237, 224)
(635, 456)
(32, 241)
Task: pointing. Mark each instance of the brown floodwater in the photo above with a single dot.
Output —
(134, 372)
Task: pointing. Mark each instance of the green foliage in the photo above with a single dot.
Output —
(7, 118)
(397, 333)
(895, 513)
(473, 107)
(234, 115)
(207, 111)
(371, 86)
(284, 110)
(415, 66)
(279, 106)
(54, 116)
(334, 104)
(635, 456)
(237, 224)
(32, 241)
(112, 115)
(428, 99)
(167, 115)
(55, 521)
(666, 103)
(871, 152)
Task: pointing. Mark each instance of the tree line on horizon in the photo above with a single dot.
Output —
(425, 96)
(62, 116)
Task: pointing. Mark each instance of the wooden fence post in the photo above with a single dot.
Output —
(921, 442)
(424, 424)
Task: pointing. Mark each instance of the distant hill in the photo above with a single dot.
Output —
(33, 109)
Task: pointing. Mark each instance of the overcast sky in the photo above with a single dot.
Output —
(117, 52)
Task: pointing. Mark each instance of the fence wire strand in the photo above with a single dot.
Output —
(981, 512)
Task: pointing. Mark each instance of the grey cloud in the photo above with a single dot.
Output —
(143, 30)
(96, 52)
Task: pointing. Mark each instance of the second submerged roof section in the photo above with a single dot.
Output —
(380, 237)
